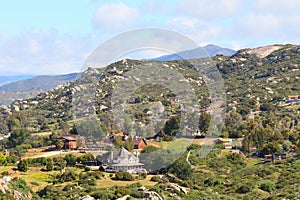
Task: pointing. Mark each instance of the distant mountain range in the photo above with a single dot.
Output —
(10, 79)
(44, 83)
(25, 86)
(200, 52)
(31, 87)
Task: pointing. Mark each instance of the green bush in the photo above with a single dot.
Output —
(23, 166)
(4, 173)
(181, 169)
(20, 185)
(68, 175)
(212, 181)
(268, 186)
(248, 187)
(124, 176)
(49, 165)
(155, 179)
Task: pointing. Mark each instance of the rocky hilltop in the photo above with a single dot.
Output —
(253, 78)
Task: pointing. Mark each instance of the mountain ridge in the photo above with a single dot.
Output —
(200, 52)
(43, 82)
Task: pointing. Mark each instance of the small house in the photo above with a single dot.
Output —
(292, 98)
(227, 142)
(70, 141)
(269, 158)
(139, 143)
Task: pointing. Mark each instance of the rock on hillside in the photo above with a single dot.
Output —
(263, 52)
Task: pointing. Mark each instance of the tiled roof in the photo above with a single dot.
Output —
(69, 137)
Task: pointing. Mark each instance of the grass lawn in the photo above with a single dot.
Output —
(42, 134)
(40, 152)
(35, 178)
(108, 182)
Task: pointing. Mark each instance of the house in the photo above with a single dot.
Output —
(139, 143)
(70, 141)
(121, 160)
(292, 98)
(122, 135)
(227, 142)
(277, 156)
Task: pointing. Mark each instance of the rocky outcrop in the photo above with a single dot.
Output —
(151, 195)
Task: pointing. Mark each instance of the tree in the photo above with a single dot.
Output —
(2, 158)
(64, 126)
(90, 129)
(267, 107)
(233, 121)
(85, 158)
(70, 159)
(181, 169)
(204, 122)
(118, 141)
(129, 145)
(14, 123)
(23, 166)
(59, 144)
(18, 137)
(270, 148)
(49, 164)
(172, 126)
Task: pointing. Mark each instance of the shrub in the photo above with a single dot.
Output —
(181, 169)
(124, 176)
(212, 181)
(23, 166)
(155, 179)
(49, 165)
(20, 185)
(11, 159)
(267, 186)
(68, 175)
(4, 173)
(122, 191)
(245, 188)
(149, 149)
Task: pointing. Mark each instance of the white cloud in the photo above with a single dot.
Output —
(278, 6)
(115, 17)
(258, 25)
(209, 9)
(43, 52)
(184, 22)
(201, 31)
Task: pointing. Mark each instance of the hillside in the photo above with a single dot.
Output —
(208, 50)
(261, 120)
(250, 82)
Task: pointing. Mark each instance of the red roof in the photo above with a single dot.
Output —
(69, 137)
(136, 140)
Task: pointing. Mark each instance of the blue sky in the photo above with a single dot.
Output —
(55, 37)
